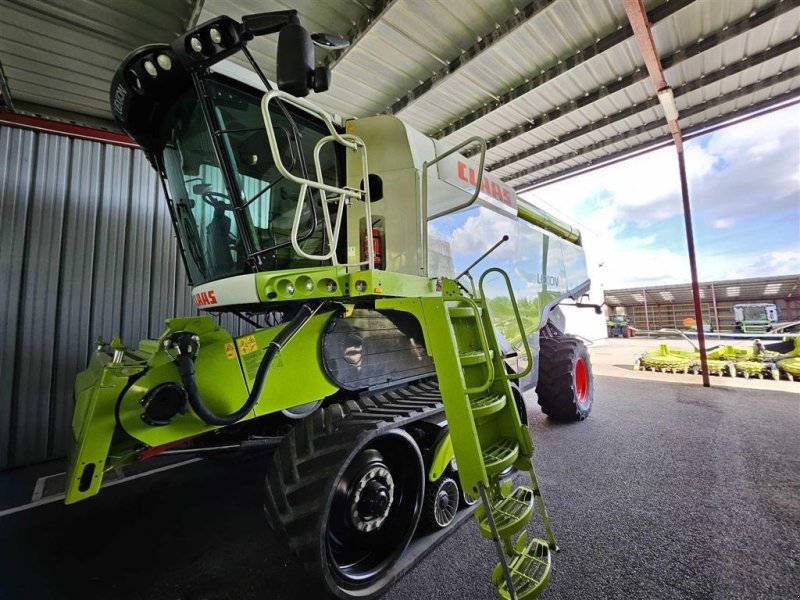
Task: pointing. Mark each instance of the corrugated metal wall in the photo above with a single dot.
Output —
(86, 250)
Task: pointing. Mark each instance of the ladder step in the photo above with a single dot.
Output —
(511, 513)
(500, 455)
(475, 357)
(487, 405)
(530, 571)
(460, 312)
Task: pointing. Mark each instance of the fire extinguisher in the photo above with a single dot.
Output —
(377, 246)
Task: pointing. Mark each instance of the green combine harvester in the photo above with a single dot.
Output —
(383, 374)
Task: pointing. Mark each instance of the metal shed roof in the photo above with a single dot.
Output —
(555, 86)
(731, 290)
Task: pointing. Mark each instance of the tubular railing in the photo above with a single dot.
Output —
(342, 195)
(518, 317)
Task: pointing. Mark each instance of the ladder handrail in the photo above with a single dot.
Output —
(344, 194)
(513, 298)
(484, 342)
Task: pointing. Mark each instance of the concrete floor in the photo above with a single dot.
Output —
(666, 491)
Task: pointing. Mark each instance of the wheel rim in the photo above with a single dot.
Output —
(374, 510)
(581, 381)
(446, 502)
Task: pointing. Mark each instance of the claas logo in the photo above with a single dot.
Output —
(205, 298)
(488, 186)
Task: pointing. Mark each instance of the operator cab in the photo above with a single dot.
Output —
(232, 208)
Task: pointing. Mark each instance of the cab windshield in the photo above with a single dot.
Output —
(228, 230)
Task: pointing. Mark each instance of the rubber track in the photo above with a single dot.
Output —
(303, 467)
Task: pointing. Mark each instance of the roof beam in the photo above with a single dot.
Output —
(620, 35)
(690, 51)
(359, 31)
(704, 128)
(5, 93)
(500, 32)
(735, 94)
(737, 67)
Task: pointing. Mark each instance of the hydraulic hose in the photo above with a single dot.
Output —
(186, 345)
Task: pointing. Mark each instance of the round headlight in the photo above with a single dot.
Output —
(196, 44)
(289, 289)
(150, 68)
(164, 61)
(215, 35)
(361, 286)
(330, 285)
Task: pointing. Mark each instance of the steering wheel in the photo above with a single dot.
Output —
(224, 203)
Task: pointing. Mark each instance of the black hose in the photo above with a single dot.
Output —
(186, 345)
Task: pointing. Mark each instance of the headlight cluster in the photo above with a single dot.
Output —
(304, 286)
(149, 67)
(212, 41)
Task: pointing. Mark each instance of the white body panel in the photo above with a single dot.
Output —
(231, 291)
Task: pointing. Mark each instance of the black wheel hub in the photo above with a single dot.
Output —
(372, 498)
(374, 511)
(374, 501)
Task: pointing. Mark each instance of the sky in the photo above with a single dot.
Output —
(744, 187)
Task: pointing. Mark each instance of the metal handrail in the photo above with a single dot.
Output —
(475, 139)
(344, 194)
(484, 342)
(423, 219)
(527, 347)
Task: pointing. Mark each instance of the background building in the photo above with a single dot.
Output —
(667, 306)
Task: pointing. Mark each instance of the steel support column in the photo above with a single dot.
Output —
(644, 38)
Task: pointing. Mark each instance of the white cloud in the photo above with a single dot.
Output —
(736, 176)
(724, 223)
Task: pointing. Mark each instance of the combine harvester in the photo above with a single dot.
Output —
(377, 367)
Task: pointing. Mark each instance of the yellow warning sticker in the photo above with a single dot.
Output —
(230, 350)
(247, 344)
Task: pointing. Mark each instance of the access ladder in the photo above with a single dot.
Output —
(488, 435)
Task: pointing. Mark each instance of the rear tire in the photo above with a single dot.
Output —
(565, 390)
(346, 500)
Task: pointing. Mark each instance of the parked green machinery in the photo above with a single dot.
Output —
(386, 380)
(619, 326)
(780, 360)
(754, 318)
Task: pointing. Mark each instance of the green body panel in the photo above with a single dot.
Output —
(272, 286)
(442, 457)
(224, 376)
(225, 369)
(93, 422)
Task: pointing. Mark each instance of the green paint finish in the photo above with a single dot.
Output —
(313, 283)
(387, 283)
(274, 286)
(223, 385)
(442, 457)
(463, 384)
(535, 216)
(93, 422)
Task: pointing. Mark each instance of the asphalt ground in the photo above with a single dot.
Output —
(668, 490)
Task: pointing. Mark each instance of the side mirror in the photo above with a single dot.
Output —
(296, 72)
(328, 41)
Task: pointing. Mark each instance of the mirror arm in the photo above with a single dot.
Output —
(269, 22)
